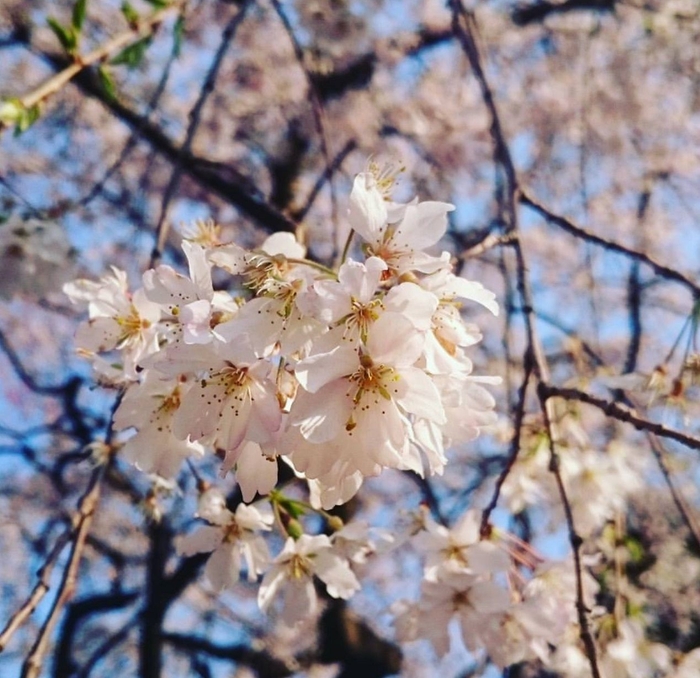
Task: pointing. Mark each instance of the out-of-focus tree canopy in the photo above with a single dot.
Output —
(566, 134)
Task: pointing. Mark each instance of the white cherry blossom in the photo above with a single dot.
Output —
(291, 577)
(150, 406)
(232, 538)
(399, 244)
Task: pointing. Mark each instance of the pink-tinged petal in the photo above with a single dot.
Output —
(361, 280)
(135, 409)
(81, 291)
(434, 627)
(155, 450)
(272, 581)
(414, 303)
(98, 335)
(489, 598)
(298, 331)
(200, 411)
(164, 285)
(340, 492)
(195, 318)
(265, 416)
(327, 301)
(486, 557)
(196, 312)
(233, 423)
(257, 323)
(256, 555)
(318, 370)
(200, 270)
(321, 416)
(300, 601)
(470, 289)
(335, 572)
(422, 225)
(224, 567)
(311, 459)
(367, 212)
(467, 529)
(250, 518)
(203, 540)
(421, 396)
(421, 261)
(394, 341)
(231, 258)
(212, 507)
(146, 309)
(255, 473)
(429, 438)
(285, 244)
(380, 432)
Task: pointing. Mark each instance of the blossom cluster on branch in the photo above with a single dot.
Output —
(340, 374)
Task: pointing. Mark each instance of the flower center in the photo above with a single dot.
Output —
(131, 326)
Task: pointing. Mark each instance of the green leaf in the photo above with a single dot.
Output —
(130, 14)
(107, 82)
(178, 31)
(159, 4)
(27, 118)
(294, 508)
(79, 14)
(635, 549)
(66, 35)
(132, 55)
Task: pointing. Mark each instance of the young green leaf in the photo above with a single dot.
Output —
(178, 31)
(130, 14)
(132, 55)
(159, 4)
(66, 35)
(107, 82)
(27, 118)
(79, 14)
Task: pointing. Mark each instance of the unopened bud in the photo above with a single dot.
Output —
(294, 528)
(335, 523)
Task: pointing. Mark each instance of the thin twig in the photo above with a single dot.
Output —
(144, 28)
(134, 136)
(195, 117)
(465, 30)
(24, 376)
(41, 588)
(574, 538)
(686, 512)
(86, 511)
(514, 446)
(316, 106)
(621, 413)
(326, 175)
(571, 228)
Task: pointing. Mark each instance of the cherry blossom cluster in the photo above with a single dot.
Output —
(599, 481)
(337, 373)
(340, 374)
(507, 599)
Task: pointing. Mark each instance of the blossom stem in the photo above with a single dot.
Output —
(313, 264)
(346, 247)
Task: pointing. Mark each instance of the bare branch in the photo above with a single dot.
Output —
(583, 234)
